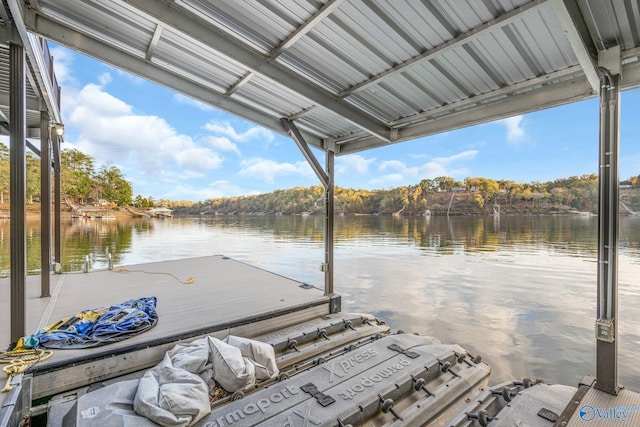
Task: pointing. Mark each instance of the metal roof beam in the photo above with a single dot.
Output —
(549, 96)
(79, 42)
(489, 26)
(172, 15)
(575, 29)
(468, 103)
(326, 10)
(507, 90)
(32, 49)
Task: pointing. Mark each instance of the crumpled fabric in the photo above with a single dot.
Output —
(172, 396)
(176, 391)
(96, 327)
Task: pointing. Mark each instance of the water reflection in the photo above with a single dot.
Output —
(520, 291)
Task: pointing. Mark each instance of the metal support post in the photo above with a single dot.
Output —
(57, 189)
(45, 206)
(606, 325)
(329, 207)
(326, 178)
(18, 185)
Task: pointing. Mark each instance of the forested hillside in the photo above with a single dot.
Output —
(438, 196)
(435, 196)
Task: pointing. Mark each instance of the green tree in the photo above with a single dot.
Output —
(76, 173)
(444, 183)
(4, 171)
(33, 176)
(114, 187)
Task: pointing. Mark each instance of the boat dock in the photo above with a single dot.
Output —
(218, 296)
(226, 297)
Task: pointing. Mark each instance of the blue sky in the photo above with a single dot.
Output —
(171, 147)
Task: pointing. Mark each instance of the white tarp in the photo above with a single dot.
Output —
(176, 391)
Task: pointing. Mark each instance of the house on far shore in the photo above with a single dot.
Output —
(90, 212)
(626, 185)
(160, 212)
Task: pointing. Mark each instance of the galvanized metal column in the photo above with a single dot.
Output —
(606, 325)
(18, 185)
(326, 178)
(45, 206)
(57, 189)
(329, 212)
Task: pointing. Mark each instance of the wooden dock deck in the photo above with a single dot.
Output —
(227, 297)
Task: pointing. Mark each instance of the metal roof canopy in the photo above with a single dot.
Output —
(362, 74)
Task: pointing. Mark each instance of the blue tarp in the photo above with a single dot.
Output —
(96, 327)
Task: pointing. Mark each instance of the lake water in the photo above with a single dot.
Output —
(520, 291)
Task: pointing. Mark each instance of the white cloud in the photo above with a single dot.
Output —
(216, 189)
(394, 165)
(221, 143)
(185, 100)
(62, 64)
(252, 133)
(266, 169)
(515, 131)
(104, 79)
(396, 172)
(353, 163)
(110, 132)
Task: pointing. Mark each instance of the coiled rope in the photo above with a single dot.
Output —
(18, 361)
(189, 281)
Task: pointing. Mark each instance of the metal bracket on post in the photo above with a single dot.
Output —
(605, 330)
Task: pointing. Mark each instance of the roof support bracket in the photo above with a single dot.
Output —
(293, 131)
(11, 33)
(611, 60)
(572, 23)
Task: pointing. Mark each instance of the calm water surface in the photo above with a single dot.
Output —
(520, 291)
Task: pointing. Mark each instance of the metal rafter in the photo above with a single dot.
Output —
(172, 15)
(36, 58)
(467, 104)
(507, 90)
(243, 81)
(79, 42)
(571, 91)
(550, 96)
(154, 41)
(302, 30)
(502, 20)
(573, 25)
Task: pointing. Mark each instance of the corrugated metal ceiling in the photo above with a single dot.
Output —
(359, 73)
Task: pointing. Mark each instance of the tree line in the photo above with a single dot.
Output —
(79, 179)
(438, 195)
(82, 183)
